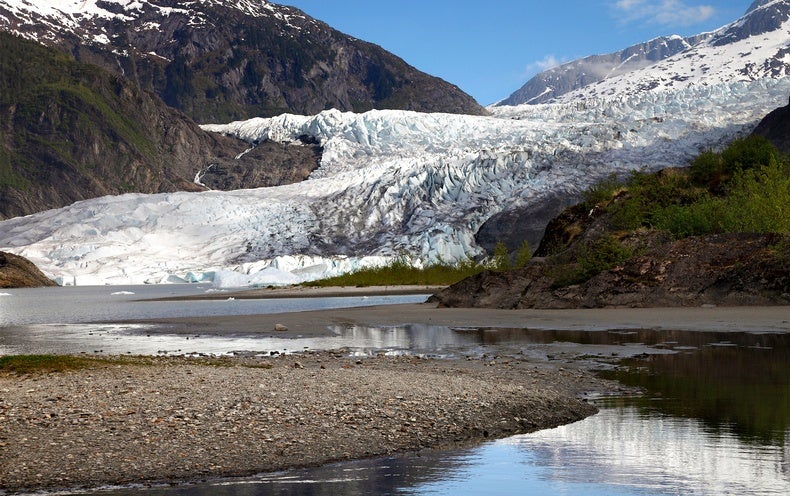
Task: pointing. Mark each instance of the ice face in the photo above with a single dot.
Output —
(391, 183)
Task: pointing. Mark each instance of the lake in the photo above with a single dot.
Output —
(714, 419)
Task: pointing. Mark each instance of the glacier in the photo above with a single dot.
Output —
(390, 184)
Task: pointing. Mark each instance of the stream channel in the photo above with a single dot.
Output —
(714, 418)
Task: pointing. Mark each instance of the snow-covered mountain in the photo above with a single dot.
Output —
(753, 47)
(397, 183)
(555, 82)
(220, 60)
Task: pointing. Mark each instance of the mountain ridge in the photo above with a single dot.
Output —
(671, 62)
(220, 61)
(71, 131)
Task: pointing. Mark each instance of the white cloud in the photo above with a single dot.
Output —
(546, 63)
(664, 12)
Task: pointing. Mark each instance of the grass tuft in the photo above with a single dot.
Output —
(28, 364)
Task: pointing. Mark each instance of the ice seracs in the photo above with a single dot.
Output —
(391, 183)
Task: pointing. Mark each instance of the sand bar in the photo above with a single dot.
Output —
(736, 319)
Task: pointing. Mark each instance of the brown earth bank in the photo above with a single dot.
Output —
(18, 272)
(151, 420)
(723, 269)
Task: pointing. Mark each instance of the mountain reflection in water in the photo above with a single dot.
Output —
(713, 421)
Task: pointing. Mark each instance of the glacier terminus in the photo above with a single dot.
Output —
(391, 183)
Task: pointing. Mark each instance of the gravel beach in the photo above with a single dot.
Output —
(152, 420)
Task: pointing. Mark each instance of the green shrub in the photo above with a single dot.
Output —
(715, 169)
(500, 262)
(756, 200)
(592, 259)
(602, 191)
(648, 194)
(759, 201)
(697, 219)
(523, 255)
(602, 255)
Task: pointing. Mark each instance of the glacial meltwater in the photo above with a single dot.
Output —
(714, 418)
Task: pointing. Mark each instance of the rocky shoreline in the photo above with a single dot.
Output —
(177, 419)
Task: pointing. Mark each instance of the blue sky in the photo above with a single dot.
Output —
(490, 48)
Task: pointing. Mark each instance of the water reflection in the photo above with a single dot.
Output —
(623, 450)
(628, 446)
(457, 342)
(741, 386)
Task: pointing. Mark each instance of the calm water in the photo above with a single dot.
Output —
(78, 304)
(715, 418)
(624, 450)
(74, 320)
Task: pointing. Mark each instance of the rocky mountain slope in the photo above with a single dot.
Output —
(219, 61)
(71, 131)
(17, 272)
(751, 48)
(776, 127)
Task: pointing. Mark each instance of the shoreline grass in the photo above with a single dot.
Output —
(48, 364)
(401, 273)
(27, 364)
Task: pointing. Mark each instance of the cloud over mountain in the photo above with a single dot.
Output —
(664, 12)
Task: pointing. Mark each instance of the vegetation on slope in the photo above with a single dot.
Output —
(715, 232)
(401, 273)
(71, 131)
(743, 189)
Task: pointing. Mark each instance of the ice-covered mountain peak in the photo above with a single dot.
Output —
(84, 18)
(754, 46)
(761, 3)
